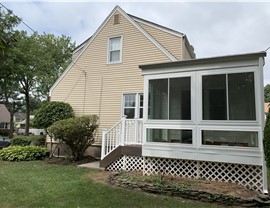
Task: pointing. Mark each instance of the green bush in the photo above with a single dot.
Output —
(38, 140)
(78, 133)
(266, 140)
(4, 132)
(35, 140)
(26, 153)
(21, 141)
(51, 112)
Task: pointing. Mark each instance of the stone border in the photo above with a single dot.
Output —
(258, 201)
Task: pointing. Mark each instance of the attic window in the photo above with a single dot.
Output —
(116, 19)
(115, 50)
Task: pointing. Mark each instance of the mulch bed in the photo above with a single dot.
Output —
(67, 161)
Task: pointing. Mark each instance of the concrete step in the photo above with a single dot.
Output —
(93, 165)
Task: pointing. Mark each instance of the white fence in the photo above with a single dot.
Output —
(125, 132)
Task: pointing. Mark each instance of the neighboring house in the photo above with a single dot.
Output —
(4, 117)
(104, 77)
(19, 117)
(266, 109)
(33, 131)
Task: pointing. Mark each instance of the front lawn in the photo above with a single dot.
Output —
(38, 184)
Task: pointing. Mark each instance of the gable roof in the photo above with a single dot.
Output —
(19, 115)
(160, 27)
(4, 114)
(82, 47)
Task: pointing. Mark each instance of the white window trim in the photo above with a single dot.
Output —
(229, 122)
(231, 128)
(137, 104)
(193, 98)
(196, 121)
(108, 49)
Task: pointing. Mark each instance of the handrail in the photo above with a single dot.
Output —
(126, 131)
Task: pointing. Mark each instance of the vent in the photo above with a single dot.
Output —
(116, 19)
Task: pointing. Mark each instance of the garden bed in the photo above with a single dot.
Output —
(206, 191)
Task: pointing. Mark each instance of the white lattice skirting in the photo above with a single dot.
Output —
(249, 176)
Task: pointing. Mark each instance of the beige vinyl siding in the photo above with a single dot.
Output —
(169, 41)
(77, 53)
(106, 83)
(188, 52)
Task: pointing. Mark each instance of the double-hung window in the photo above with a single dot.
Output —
(133, 105)
(115, 50)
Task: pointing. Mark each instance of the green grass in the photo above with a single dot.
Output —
(37, 184)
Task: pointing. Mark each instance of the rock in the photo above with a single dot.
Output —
(264, 197)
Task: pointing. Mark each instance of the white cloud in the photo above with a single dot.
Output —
(213, 28)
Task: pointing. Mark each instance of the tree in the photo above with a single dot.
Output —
(78, 133)
(7, 23)
(51, 112)
(266, 140)
(9, 94)
(267, 93)
(37, 62)
(57, 55)
(33, 62)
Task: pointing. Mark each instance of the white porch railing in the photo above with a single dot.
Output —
(126, 131)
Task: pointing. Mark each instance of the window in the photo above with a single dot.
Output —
(129, 105)
(115, 47)
(170, 99)
(169, 136)
(229, 97)
(230, 138)
(133, 105)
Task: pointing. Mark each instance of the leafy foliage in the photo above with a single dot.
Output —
(7, 23)
(27, 153)
(29, 64)
(35, 140)
(4, 132)
(21, 141)
(51, 112)
(266, 140)
(267, 93)
(78, 133)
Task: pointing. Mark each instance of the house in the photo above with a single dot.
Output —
(18, 117)
(32, 131)
(195, 118)
(266, 109)
(4, 117)
(202, 118)
(104, 77)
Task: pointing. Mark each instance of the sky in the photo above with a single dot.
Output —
(213, 28)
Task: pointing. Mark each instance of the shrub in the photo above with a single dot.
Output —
(266, 140)
(78, 133)
(38, 140)
(21, 141)
(26, 153)
(51, 112)
(4, 132)
(35, 140)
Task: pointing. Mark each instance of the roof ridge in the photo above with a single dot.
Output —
(155, 24)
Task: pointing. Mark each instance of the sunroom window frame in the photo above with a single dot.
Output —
(109, 51)
(192, 98)
(227, 72)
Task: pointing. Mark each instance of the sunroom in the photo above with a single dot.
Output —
(208, 114)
